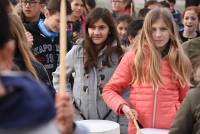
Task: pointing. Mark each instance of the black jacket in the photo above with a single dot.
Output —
(45, 49)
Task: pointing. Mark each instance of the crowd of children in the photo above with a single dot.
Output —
(121, 65)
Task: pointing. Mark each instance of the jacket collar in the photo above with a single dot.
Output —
(101, 52)
(45, 31)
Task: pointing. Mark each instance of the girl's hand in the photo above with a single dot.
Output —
(65, 113)
(131, 114)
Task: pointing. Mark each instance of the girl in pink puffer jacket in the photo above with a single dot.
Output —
(157, 71)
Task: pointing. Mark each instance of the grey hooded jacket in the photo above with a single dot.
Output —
(87, 88)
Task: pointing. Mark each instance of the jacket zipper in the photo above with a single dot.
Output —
(154, 107)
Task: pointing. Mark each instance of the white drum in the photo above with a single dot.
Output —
(101, 126)
(154, 131)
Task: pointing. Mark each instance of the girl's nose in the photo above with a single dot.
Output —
(124, 32)
(158, 33)
(96, 31)
(190, 20)
(79, 7)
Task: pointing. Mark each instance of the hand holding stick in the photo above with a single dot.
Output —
(137, 126)
(131, 114)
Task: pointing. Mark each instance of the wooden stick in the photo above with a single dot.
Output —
(63, 46)
(137, 126)
(131, 10)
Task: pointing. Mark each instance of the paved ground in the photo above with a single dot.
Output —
(138, 3)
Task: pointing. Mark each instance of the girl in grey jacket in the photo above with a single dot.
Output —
(92, 62)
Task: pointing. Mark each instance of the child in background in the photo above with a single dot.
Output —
(158, 72)
(122, 26)
(122, 7)
(75, 21)
(46, 37)
(142, 13)
(176, 14)
(133, 30)
(190, 19)
(31, 10)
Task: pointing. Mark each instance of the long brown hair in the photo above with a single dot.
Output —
(147, 56)
(90, 52)
(18, 34)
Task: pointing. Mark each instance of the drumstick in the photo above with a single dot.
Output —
(137, 126)
(63, 46)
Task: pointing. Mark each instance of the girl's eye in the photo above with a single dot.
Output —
(163, 28)
(153, 29)
(120, 28)
(186, 18)
(193, 18)
(102, 27)
(76, 4)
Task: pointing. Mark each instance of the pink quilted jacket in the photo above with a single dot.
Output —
(155, 109)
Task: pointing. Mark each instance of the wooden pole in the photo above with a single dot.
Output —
(63, 46)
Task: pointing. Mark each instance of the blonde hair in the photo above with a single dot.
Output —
(147, 60)
(18, 33)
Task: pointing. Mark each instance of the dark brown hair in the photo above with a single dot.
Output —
(4, 23)
(124, 18)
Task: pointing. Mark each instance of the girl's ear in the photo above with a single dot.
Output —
(130, 39)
